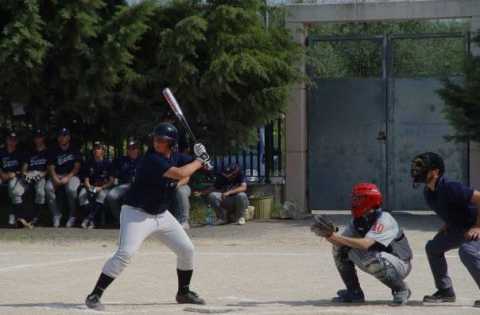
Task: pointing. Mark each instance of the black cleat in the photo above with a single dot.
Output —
(441, 296)
(189, 298)
(349, 296)
(93, 301)
(477, 303)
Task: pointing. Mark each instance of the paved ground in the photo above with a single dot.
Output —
(275, 267)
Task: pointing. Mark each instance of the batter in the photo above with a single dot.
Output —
(146, 212)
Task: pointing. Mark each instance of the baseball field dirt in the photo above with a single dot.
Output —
(269, 267)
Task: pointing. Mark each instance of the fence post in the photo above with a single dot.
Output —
(268, 151)
(279, 145)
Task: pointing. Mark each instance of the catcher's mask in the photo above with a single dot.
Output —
(364, 223)
(365, 197)
(422, 164)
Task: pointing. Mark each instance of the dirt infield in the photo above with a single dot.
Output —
(275, 267)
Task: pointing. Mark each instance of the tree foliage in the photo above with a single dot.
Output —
(462, 100)
(363, 58)
(99, 66)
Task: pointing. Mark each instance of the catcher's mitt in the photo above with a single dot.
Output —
(323, 226)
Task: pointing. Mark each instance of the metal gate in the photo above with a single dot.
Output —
(368, 129)
(346, 127)
(417, 124)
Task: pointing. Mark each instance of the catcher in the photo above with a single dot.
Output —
(373, 242)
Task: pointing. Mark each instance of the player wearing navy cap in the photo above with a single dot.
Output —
(34, 171)
(459, 208)
(63, 166)
(10, 167)
(124, 173)
(97, 180)
(146, 211)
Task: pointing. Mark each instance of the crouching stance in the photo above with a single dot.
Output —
(373, 242)
(459, 208)
(146, 211)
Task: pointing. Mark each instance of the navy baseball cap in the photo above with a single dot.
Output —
(39, 133)
(231, 169)
(132, 143)
(98, 144)
(63, 132)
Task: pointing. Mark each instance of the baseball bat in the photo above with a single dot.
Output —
(172, 101)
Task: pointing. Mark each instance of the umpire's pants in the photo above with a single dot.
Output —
(444, 241)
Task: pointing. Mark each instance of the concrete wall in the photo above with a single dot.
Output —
(300, 15)
(383, 10)
(296, 137)
(475, 147)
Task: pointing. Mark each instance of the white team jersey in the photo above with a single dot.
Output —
(384, 231)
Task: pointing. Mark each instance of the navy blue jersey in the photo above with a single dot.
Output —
(98, 172)
(11, 162)
(64, 160)
(452, 202)
(151, 191)
(124, 169)
(37, 161)
(224, 183)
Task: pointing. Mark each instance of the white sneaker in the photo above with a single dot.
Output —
(11, 219)
(85, 224)
(71, 222)
(91, 225)
(186, 226)
(56, 220)
(241, 221)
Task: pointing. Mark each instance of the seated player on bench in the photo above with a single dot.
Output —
(229, 198)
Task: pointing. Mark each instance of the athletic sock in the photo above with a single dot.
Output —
(184, 277)
(103, 282)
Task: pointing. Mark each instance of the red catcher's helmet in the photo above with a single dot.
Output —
(365, 196)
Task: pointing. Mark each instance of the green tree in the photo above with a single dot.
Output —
(91, 55)
(230, 73)
(362, 58)
(99, 66)
(462, 100)
(22, 50)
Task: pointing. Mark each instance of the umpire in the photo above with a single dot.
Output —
(458, 207)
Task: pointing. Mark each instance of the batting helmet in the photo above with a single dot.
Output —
(423, 163)
(365, 196)
(166, 131)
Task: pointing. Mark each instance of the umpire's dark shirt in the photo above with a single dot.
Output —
(452, 202)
